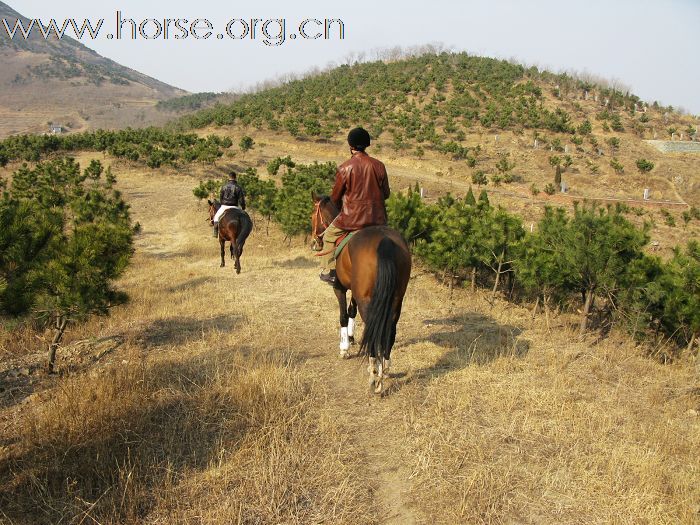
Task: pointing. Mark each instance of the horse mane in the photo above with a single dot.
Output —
(326, 201)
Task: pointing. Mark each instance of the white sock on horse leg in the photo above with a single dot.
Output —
(351, 327)
(344, 340)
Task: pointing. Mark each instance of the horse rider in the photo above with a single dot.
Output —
(231, 196)
(361, 187)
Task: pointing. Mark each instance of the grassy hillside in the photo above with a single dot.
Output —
(185, 406)
(483, 115)
(63, 82)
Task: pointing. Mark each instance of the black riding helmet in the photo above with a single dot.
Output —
(358, 139)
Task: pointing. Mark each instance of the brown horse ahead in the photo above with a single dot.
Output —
(234, 226)
(375, 266)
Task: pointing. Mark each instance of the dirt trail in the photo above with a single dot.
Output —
(371, 422)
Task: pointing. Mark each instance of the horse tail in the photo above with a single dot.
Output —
(379, 333)
(245, 227)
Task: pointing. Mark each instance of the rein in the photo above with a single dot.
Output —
(318, 217)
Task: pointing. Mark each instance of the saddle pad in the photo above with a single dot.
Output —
(342, 242)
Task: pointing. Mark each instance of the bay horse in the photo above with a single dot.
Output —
(234, 226)
(375, 266)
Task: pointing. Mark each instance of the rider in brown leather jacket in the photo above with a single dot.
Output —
(361, 187)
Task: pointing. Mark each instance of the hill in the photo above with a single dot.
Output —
(62, 82)
(474, 114)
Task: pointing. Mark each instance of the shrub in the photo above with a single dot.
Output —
(644, 166)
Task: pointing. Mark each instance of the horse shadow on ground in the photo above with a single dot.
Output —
(470, 339)
(180, 330)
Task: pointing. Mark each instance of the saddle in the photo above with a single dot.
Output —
(340, 243)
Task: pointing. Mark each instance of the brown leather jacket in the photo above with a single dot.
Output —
(361, 187)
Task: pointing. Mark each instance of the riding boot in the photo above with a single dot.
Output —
(216, 231)
(329, 277)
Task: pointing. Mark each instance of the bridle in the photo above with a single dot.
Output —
(318, 219)
(210, 219)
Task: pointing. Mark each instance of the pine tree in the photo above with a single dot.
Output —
(682, 306)
(453, 245)
(470, 199)
(293, 205)
(600, 245)
(538, 266)
(499, 233)
(409, 215)
(484, 198)
(61, 260)
(246, 143)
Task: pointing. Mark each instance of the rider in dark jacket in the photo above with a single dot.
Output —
(232, 195)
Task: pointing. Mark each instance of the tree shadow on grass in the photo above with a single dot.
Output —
(298, 263)
(190, 285)
(141, 429)
(180, 330)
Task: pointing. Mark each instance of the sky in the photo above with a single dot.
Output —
(649, 46)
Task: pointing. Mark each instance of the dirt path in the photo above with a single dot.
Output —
(309, 312)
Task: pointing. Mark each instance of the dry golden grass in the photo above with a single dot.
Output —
(217, 398)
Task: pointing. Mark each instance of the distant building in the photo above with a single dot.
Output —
(56, 130)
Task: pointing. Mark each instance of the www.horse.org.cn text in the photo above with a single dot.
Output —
(270, 31)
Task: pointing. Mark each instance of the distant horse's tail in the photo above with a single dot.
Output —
(380, 330)
(246, 226)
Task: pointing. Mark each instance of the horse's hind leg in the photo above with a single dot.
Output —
(234, 252)
(340, 294)
(352, 313)
(395, 320)
(222, 242)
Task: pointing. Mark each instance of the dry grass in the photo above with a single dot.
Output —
(221, 437)
(201, 414)
(570, 435)
(224, 402)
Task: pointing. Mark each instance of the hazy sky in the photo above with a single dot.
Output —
(651, 46)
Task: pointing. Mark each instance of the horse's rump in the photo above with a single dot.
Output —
(237, 223)
(382, 249)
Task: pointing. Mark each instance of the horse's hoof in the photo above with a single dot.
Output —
(221, 265)
(379, 384)
(351, 339)
(344, 354)
(238, 270)
(371, 383)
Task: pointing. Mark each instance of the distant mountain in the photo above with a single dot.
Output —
(65, 83)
